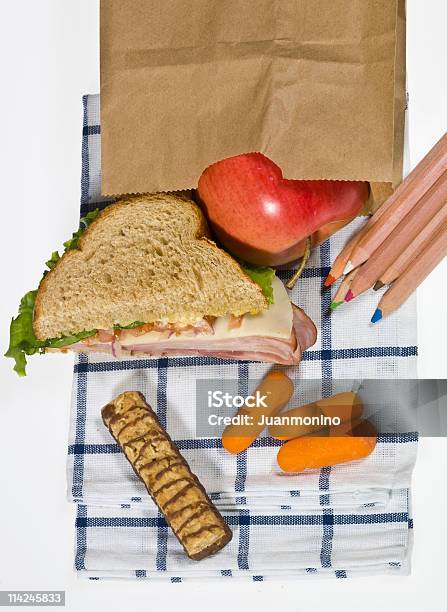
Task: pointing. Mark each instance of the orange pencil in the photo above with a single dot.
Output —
(413, 250)
(413, 276)
(400, 238)
(342, 259)
(400, 203)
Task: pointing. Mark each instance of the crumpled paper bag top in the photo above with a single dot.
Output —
(316, 85)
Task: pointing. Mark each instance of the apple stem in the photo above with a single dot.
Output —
(291, 283)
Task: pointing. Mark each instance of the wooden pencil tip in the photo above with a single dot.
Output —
(377, 315)
(349, 296)
(330, 280)
(335, 305)
(348, 268)
(378, 285)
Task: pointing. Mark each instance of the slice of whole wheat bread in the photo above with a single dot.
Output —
(145, 258)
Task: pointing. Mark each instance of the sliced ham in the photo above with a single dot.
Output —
(304, 328)
(254, 348)
(82, 347)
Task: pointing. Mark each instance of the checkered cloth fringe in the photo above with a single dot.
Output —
(348, 520)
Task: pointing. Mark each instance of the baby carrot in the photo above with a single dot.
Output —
(356, 428)
(277, 389)
(347, 406)
(311, 452)
(308, 419)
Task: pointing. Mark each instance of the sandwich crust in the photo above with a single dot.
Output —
(145, 258)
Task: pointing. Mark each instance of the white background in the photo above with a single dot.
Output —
(49, 54)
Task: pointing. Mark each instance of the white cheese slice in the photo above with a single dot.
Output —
(275, 322)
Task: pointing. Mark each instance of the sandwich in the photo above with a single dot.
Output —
(143, 277)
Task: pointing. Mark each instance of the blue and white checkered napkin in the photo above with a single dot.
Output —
(347, 520)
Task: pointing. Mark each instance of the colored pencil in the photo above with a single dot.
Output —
(400, 203)
(342, 259)
(413, 276)
(400, 238)
(339, 297)
(413, 250)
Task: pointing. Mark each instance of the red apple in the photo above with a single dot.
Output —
(264, 218)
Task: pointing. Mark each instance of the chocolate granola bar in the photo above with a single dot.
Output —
(181, 498)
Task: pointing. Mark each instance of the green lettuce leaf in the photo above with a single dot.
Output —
(130, 326)
(261, 276)
(67, 340)
(22, 340)
(84, 222)
(53, 260)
